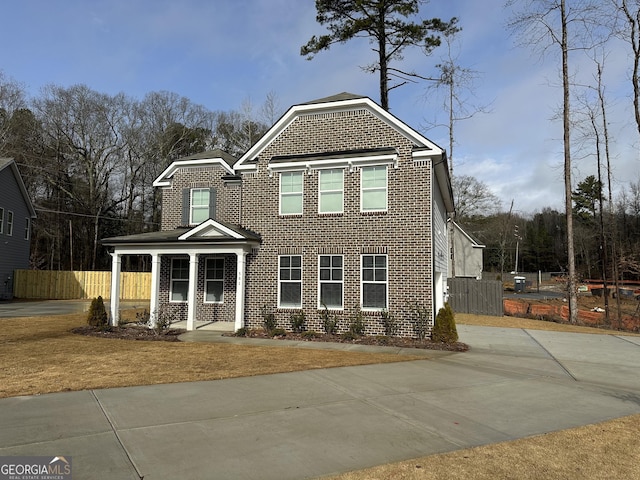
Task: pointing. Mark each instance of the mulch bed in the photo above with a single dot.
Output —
(130, 332)
(381, 341)
(137, 332)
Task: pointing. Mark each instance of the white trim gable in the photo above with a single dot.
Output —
(246, 161)
(164, 180)
(210, 228)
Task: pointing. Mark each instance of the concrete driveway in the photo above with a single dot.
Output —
(513, 383)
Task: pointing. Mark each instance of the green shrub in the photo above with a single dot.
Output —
(444, 329)
(97, 316)
(330, 324)
(241, 332)
(297, 322)
(278, 332)
(357, 324)
(390, 324)
(268, 320)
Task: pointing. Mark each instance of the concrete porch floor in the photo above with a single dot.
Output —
(207, 326)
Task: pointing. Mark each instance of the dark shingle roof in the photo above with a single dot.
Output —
(336, 98)
(215, 153)
(170, 236)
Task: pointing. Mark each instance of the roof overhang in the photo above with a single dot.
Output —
(164, 180)
(10, 163)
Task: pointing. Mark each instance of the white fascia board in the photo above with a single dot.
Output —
(346, 162)
(343, 105)
(164, 180)
(207, 225)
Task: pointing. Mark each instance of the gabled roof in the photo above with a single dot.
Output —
(474, 242)
(10, 163)
(209, 157)
(340, 102)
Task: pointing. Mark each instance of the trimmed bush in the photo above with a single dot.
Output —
(97, 316)
(444, 329)
(297, 322)
(268, 320)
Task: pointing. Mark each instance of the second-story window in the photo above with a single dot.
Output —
(291, 193)
(199, 205)
(1, 220)
(9, 222)
(373, 189)
(27, 228)
(330, 190)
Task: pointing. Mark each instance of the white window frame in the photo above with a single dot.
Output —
(330, 191)
(27, 228)
(292, 194)
(199, 207)
(331, 280)
(282, 281)
(374, 282)
(173, 280)
(364, 190)
(9, 223)
(208, 280)
(1, 220)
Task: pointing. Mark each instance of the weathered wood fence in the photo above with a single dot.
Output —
(479, 297)
(66, 285)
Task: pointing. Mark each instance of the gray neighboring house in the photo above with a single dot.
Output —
(339, 208)
(467, 254)
(16, 216)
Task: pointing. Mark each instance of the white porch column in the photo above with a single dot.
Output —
(155, 287)
(193, 288)
(114, 301)
(241, 267)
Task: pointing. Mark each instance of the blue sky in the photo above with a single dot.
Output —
(221, 53)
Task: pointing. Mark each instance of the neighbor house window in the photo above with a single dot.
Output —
(290, 281)
(199, 205)
(27, 228)
(179, 279)
(214, 280)
(374, 282)
(9, 222)
(373, 192)
(291, 193)
(1, 220)
(331, 188)
(330, 281)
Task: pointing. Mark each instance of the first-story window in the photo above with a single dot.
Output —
(290, 281)
(214, 280)
(179, 279)
(330, 281)
(291, 193)
(374, 282)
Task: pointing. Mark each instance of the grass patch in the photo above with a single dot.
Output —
(41, 355)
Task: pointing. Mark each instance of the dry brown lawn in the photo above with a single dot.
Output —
(41, 355)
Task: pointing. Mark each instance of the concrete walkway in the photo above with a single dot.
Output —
(512, 384)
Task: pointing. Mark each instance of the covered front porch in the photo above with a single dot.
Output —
(197, 274)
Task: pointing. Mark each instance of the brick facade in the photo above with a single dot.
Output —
(403, 233)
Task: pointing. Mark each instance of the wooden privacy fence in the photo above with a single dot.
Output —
(479, 297)
(65, 285)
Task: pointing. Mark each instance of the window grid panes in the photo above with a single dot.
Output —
(179, 279)
(330, 271)
(199, 205)
(331, 188)
(291, 193)
(214, 280)
(374, 282)
(290, 281)
(374, 188)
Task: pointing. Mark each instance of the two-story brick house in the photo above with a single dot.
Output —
(340, 205)
(16, 217)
